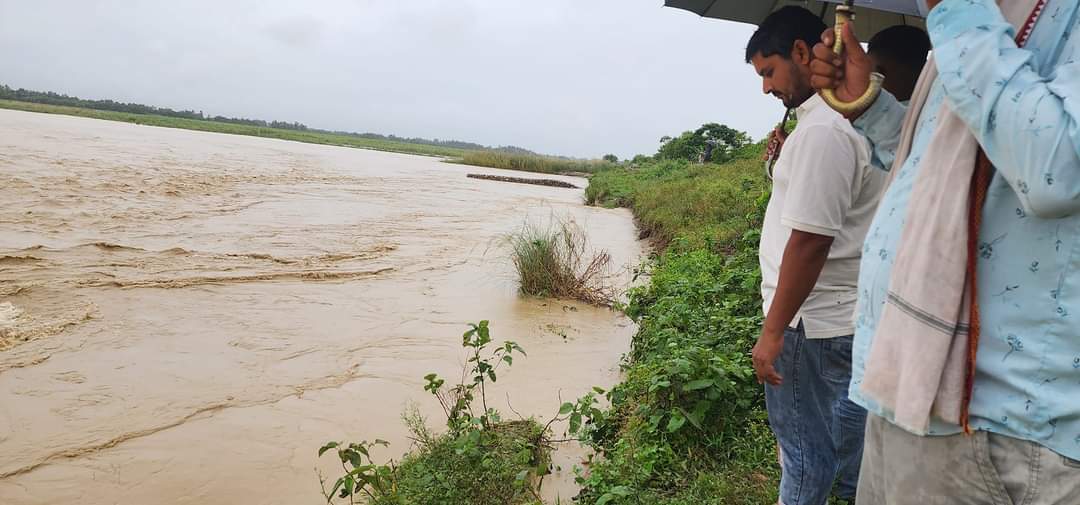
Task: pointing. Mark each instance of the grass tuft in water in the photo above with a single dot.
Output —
(556, 261)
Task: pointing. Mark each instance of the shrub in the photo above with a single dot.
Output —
(556, 261)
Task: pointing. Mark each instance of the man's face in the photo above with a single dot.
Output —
(899, 80)
(783, 78)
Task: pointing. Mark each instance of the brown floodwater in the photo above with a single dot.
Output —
(186, 317)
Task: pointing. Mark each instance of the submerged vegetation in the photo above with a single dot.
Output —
(557, 261)
(528, 162)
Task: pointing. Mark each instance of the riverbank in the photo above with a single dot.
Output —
(687, 424)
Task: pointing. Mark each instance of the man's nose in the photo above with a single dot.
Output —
(766, 86)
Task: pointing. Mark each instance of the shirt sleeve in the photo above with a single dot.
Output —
(1026, 123)
(819, 192)
(881, 125)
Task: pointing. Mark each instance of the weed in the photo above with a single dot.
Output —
(557, 261)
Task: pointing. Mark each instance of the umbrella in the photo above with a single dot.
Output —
(873, 15)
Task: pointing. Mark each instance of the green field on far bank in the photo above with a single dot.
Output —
(491, 158)
(237, 129)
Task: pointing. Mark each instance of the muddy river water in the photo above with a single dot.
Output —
(186, 317)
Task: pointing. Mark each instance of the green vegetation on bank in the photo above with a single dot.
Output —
(676, 199)
(687, 425)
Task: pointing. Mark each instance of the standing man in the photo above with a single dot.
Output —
(969, 295)
(899, 53)
(824, 194)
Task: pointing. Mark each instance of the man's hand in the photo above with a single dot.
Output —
(849, 73)
(765, 353)
(775, 143)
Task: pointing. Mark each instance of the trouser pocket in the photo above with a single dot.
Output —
(836, 359)
(1071, 463)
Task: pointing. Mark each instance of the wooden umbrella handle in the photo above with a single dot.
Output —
(844, 14)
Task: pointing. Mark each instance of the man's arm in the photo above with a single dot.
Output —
(1027, 125)
(881, 124)
(804, 257)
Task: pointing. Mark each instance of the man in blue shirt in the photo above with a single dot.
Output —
(1021, 102)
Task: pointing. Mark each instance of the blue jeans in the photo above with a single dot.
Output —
(820, 430)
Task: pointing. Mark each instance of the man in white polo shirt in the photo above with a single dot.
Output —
(825, 192)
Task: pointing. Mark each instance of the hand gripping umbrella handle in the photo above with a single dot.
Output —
(845, 13)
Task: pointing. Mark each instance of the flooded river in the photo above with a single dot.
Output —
(186, 317)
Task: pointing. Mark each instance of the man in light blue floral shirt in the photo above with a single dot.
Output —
(1022, 104)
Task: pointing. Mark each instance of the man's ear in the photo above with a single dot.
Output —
(800, 53)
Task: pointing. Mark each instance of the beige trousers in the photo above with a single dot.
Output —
(899, 468)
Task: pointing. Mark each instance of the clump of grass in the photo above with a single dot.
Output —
(557, 261)
(530, 162)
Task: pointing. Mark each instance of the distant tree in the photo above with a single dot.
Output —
(690, 144)
(611, 158)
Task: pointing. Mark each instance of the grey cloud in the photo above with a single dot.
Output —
(299, 31)
(573, 77)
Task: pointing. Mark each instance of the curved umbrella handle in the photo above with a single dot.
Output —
(845, 13)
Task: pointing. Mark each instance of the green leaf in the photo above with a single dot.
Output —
(327, 447)
(566, 408)
(575, 422)
(616, 492)
(677, 421)
(698, 384)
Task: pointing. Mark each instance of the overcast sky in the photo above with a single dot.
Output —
(571, 77)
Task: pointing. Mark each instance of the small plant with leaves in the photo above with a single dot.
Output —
(480, 460)
(457, 401)
(362, 474)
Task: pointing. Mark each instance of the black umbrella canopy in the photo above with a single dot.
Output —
(871, 16)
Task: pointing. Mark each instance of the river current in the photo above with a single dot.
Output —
(185, 317)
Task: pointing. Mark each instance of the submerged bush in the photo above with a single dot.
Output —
(529, 162)
(556, 261)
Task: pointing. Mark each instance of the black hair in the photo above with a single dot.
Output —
(778, 33)
(906, 45)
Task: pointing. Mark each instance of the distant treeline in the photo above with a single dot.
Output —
(51, 98)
